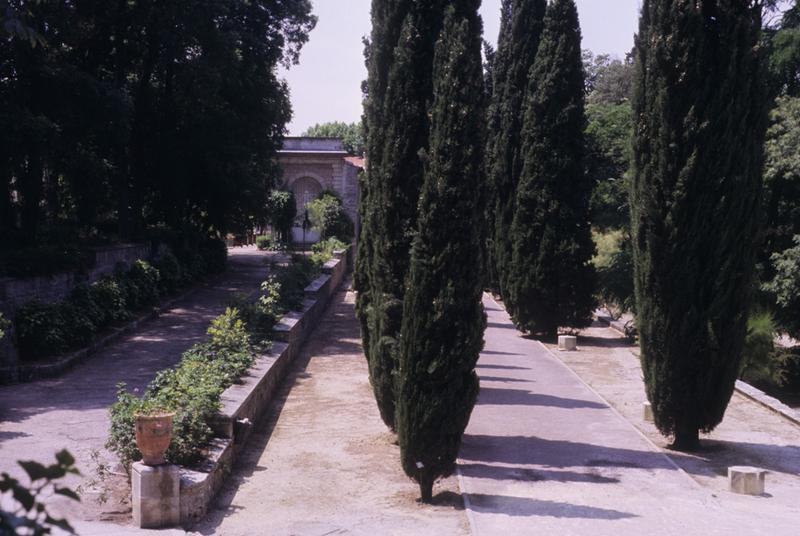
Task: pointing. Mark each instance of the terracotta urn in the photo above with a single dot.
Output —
(153, 435)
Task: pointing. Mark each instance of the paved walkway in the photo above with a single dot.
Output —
(544, 454)
(37, 419)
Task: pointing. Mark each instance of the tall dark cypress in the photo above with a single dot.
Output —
(520, 30)
(394, 190)
(443, 322)
(699, 110)
(387, 18)
(551, 281)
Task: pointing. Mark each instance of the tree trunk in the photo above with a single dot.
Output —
(425, 487)
(687, 437)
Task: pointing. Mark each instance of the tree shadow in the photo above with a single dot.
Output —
(527, 474)
(501, 379)
(715, 456)
(523, 450)
(494, 352)
(603, 342)
(527, 507)
(501, 367)
(520, 397)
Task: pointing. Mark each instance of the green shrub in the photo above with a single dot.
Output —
(323, 250)
(759, 347)
(191, 390)
(139, 284)
(108, 296)
(329, 217)
(785, 288)
(40, 330)
(293, 279)
(614, 266)
(78, 326)
(83, 299)
(170, 272)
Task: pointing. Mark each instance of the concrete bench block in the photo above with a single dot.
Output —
(747, 480)
(156, 495)
(647, 410)
(567, 343)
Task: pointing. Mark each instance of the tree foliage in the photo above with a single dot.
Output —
(282, 210)
(143, 113)
(443, 321)
(520, 31)
(551, 279)
(699, 109)
(400, 89)
(352, 135)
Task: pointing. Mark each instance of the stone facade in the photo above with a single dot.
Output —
(311, 165)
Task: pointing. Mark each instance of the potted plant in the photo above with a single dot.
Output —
(153, 434)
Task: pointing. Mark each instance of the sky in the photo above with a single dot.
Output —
(326, 84)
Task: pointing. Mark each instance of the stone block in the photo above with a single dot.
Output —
(567, 343)
(647, 409)
(746, 480)
(156, 495)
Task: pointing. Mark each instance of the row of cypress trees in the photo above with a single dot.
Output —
(541, 244)
(419, 277)
(419, 291)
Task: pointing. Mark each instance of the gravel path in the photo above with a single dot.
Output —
(545, 454)
(39, 418)
(322, 462)
(749, 435)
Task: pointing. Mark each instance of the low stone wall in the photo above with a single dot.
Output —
(14, 292)
(244, 403)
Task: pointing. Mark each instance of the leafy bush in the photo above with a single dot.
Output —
(759, 346)
(263, 312)
(41, 330)
(785, 288)
(139, 284)
(24, 509)
(282, 211)
(170, 272)
(293, 279)
(323, 250)
(265, 243)
(614, 264)
(329, 217)
(78, 326)
(107, 295)
(191, 390)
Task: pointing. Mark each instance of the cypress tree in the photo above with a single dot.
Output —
(443, 322)
(520, 30)
(551, 280)
(387, 17)
(699, 110)
(394, 190)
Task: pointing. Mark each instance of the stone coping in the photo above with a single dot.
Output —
(245, 402)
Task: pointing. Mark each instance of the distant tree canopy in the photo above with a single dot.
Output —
(608, 80)
(142, 113)
(351, 133)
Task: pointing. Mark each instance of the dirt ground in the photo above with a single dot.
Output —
(322, 461)
(749, 435)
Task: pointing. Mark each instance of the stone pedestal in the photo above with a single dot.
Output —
(156, 495)
(647, 410)
(567, 343)
(746, 480)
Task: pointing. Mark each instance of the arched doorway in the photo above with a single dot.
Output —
(305, 190)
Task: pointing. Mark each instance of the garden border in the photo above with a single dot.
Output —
(246, 402)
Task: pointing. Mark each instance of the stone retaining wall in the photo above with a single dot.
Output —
(15, 292)
(244, 403)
